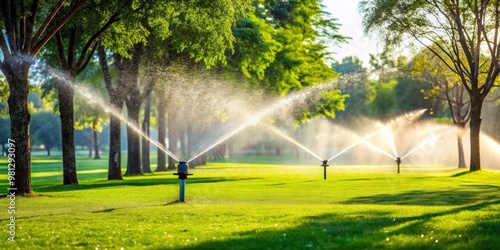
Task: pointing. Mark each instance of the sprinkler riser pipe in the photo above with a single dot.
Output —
(182, 190)
(324, 165)
(182, 172)
(398, 161)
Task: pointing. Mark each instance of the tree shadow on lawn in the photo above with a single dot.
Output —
(464, 195)
(373, 229)
(131, 183)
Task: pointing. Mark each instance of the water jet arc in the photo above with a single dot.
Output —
(95, 100)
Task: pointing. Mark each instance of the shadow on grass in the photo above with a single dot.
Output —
(373, 229)
(470, 194)
(326, 231)
(461, 174)
(130, 183)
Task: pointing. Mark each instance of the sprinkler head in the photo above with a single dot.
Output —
(182, 167)
(325, 163)
(398, 160)
(182, 170)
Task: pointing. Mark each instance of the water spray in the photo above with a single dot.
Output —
(182, 172)
(324, 165)
(96, 101)
(398, 161)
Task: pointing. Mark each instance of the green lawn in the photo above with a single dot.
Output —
(258, 206)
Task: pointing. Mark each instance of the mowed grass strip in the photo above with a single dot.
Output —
(260, 206)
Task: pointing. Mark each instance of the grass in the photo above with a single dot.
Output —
(249, 205)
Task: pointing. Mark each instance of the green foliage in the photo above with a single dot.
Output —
(355, 103)
(123, 35)
(409, 94)
(381, 99)
(348, 65)
(281, 45)
(328, 103)
(255, 47)
(446, 120)
(4, 95)
(200, 29)
(460, 33)
(445, 88)
(391, 19)
(45, 129)
(394, 92)
(4, 130)
(87, 115)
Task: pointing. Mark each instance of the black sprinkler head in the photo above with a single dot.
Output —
(325, 163)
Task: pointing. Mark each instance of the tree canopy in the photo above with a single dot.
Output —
(464, 35)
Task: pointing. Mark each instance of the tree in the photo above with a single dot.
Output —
(302, 29)
(93, 119)
(146, 166)
(74, 54)
(116, 97)
(26, 25)
(89, 116)
(464, 35)
(349, 65)
(355, 103)
(44, 127)
(161, 126)
(201, 32)
(446, 88)
(381, 98)
(128, 78)
(281, 46)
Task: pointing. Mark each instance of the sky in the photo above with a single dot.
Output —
(346, 11)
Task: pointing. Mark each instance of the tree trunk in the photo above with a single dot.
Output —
(173, 138)
(16, 71)
(96, 144)
(114, 161)
(182, 141)
(133, 140)
(162, 128)
(128, 76)
(66, 110)
(475, 130)
(189, 139)
(90, 143)
(48, 151)
(146, 166)
(461, 153)
(203, 159)
(116, 97)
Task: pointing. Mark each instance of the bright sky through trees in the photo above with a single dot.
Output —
(348, 16)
